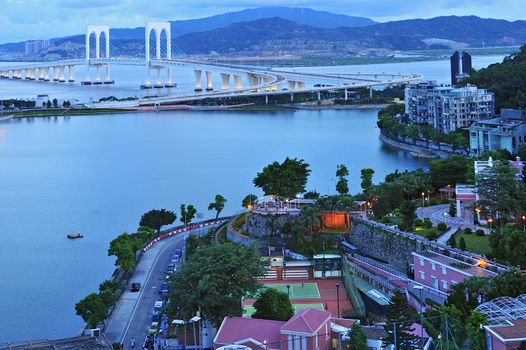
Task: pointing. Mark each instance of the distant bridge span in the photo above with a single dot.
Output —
(261, 81)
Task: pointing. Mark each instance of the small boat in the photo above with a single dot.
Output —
(75, 235)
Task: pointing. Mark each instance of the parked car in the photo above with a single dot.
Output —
(158, 305)
(156, 316)
(135, 287)
(170, 268)
(154, 327)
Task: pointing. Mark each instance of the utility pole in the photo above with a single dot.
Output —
(394, 335)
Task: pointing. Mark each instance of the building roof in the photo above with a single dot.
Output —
(306, 321)
(513, 332)
(375, 332)
(463, 267)
(242, 330)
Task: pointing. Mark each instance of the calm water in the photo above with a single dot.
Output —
(98, 174)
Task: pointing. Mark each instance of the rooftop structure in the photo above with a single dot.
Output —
(309, 329)
(460, 66)
(447, 108)
(506, 337)
(506, 132)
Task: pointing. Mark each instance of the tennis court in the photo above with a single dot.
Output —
(297, 290)
(250, 310)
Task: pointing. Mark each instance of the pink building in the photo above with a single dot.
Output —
(309, 329)
(440, 272)
(506, 337)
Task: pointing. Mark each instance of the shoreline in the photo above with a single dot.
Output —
(189, 108)
(433, 154)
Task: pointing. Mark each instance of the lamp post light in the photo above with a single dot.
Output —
(288, 290)
(181, 322)
(490, 220)
(445, 216)
(423, 199)
(193, 320)
(420, 288)
(338, 298)
(523, 218)
(478, 210)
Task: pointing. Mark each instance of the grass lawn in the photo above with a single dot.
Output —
(297, 291)
(249, 310)
(474, 243)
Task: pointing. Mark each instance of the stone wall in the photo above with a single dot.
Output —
(381, 244)
(260, 226)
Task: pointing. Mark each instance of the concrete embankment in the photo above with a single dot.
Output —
(426, 152)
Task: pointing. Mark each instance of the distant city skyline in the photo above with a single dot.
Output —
(36, 19)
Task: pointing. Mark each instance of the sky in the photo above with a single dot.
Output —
(38, 19)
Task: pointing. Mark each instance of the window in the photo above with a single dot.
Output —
(444, 271)
(422, 275)
(433, 266)
(421, 261)
(444, 285)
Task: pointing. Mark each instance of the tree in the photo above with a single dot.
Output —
(449, 171)
(213, 281)
(155, 219)
(48, 104)
(452, 242)
(357, 338)
(477, 339)
(452, 210)
(273, 305)
(123, 248)
(250, 199)
(342, 186)
(400, 316)
(500, 191)
(218, 204)
(462, 244)
(283, 180)
(408, 213)
(92, 310)
(310, 218)
(367, 179)
(187, 213)
(313, 194)
(55, 103)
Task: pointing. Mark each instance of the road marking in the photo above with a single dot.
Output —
(142, 290)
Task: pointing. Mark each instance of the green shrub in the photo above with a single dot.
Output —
(468, 231)
(432, 234)
(385, 220)
(442, 226)
(427, 223)
(419, 222)
(479, 232)
(433, 201)
(444, 201)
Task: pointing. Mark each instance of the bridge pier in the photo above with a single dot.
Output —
(225, 78)
(40, 73)
(209, 81)
(346, 94)
(292, 85)
(55, 73)
(371, 91)
(169, 83)
(108, 80)
(319, 95)
(17, 74)
(198, 86)
(158, 84)
(238, 82)
(46, 74)
(3, 75)
(61, 78)
(97, 77)
(27, 74)
(71, 73)
(301, 85)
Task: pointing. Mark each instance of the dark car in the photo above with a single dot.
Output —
(135, 287)
(156, 316)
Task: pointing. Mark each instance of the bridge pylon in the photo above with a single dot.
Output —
(98, 31)
(155, 63)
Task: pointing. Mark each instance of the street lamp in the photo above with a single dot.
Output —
(338, 297)
(181, 322)
(288, 290)
(490, 220)
(478, 210)
(423, 199)
(193, 320)
(445, 216)
(420, 288)
(523, 218)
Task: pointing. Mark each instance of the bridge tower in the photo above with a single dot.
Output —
(154, 63)
(97, 31)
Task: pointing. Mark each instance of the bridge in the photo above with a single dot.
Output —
(160, 57)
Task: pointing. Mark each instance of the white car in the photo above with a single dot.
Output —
(158, 305)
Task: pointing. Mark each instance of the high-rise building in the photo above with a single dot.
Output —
(33, 47)
(447, 108)
(460, 66)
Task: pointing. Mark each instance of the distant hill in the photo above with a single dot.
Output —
(320, 19)
(507, 80)
(280, 35)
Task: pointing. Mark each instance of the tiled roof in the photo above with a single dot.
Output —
(241, 329)
(515, 331)
(306, 321)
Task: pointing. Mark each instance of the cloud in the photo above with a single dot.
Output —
(33, 19)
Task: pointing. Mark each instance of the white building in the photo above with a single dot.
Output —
(447, 108)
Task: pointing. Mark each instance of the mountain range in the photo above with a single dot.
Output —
(271, 31)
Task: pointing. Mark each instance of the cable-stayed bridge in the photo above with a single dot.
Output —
(162, 53)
